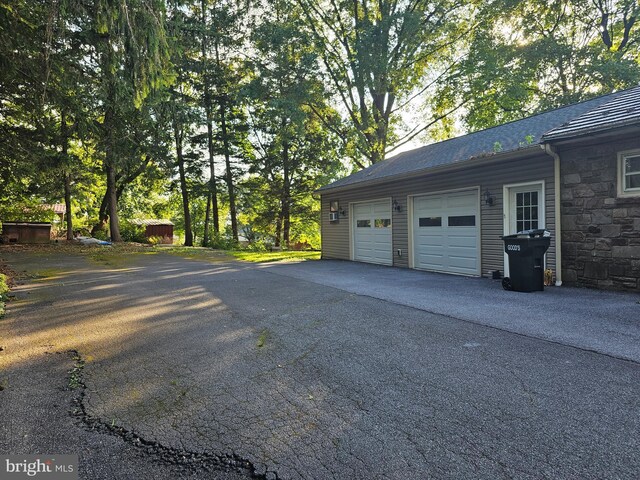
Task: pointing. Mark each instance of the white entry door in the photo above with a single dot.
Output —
(372, 241)
(524, 211)
(446, 232)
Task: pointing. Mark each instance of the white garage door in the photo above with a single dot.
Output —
(445, 232)
(372, 232)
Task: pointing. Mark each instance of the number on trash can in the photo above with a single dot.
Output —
(513, 248)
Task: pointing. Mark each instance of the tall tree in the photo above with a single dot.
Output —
(377, 55)
(291, 147)
(206, 87)
(534, 55)
(133, 59)
(228, 25)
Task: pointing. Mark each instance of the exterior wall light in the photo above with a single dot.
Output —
(488, 199)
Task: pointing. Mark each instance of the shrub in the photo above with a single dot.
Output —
(259, 246)
(132, 233)
(222, 242)
(155, 239)
(4, 289)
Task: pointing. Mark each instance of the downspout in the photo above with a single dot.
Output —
(556, 177)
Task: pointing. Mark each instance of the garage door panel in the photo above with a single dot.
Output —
(464, 200)
(446, 232)
(431, 203)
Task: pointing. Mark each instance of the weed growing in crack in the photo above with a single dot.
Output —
(75, 374)
(262, 338)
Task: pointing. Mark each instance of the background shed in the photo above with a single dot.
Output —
(157, 228)
(26, 232)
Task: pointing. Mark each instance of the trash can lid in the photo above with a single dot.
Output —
(535, 232)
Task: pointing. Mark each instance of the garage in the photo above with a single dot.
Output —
(446, 232)
(372, 241)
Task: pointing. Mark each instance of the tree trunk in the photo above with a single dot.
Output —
(67, 176)
(286, 195)
(121, 184)
(110, 155)
(112, 200)
(207, 215)
(227, 161)
(227, 156)
(278, 229)
(67, 203)
(213, 188)
(188, 233)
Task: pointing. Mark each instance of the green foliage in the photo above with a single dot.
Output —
(155, 240)
(268, 101)
(525, 57)
(132, 233)
(378, 53)
(223, 242)
(4, 289)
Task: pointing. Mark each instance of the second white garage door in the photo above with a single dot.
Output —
(445, 232)
(372, 232)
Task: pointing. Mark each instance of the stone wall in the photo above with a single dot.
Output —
(600, 231)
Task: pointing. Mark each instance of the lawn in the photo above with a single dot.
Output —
(248, 256)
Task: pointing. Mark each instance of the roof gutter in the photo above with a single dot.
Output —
(558, 223)
(480, 160)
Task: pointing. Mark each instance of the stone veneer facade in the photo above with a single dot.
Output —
(600, 231)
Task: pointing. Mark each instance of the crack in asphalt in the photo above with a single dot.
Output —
(192, 460)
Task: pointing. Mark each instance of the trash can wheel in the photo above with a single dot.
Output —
(506, 283)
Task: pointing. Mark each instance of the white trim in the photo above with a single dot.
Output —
(506, 211)
(620, 175)
(410, 217)
(352, 231)
(558, 213)
(410, 252)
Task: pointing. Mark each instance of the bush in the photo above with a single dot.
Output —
(155, 239)
(259, 246)
(222, 242)
(4, 289)
(132, 233)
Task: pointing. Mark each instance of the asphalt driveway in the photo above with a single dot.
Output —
(605, 322)
(231, 369)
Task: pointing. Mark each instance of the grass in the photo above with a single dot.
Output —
(195, 253)
(259, 257)
(4, 289)
(121, 256)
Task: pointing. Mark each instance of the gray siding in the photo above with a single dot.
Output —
(335, 236)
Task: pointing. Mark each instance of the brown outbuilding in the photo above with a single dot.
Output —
(162, 229)
(26, 232)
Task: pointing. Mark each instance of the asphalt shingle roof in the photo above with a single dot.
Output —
(623, 110)
(512, 136)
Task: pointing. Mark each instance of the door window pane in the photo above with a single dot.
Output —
(527, 211)
(363, 223)
(382, 222)
(430, 222)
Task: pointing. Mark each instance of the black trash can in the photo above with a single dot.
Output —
(526, 260)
